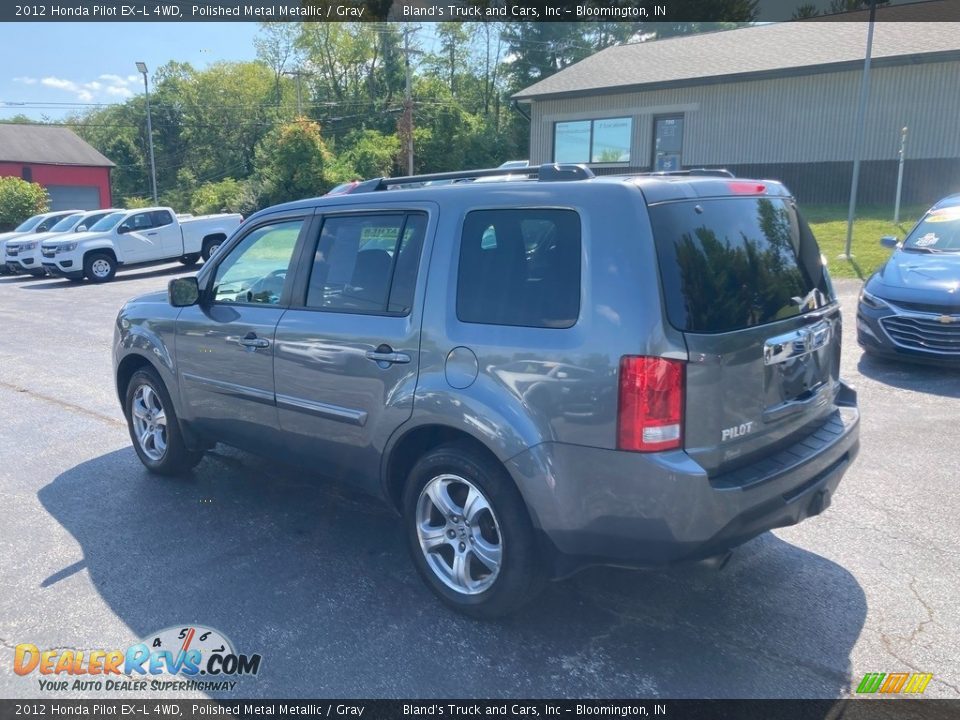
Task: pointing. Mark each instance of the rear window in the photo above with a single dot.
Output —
(733, 263)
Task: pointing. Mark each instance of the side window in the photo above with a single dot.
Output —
(520, 267)
(47, 224)
(254, 272)
(161, 218)
(141, 221)
(366, 263)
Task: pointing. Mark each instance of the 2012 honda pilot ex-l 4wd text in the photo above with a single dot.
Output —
(538, 374)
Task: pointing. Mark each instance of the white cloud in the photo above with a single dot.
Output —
(108, 87)
(60, 84)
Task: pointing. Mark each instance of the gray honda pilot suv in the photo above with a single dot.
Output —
(538, 374)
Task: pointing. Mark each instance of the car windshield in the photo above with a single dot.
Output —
(66, 225)
(938, 231)
(107, 223)
(29, 224)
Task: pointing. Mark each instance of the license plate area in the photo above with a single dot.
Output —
(797, 364)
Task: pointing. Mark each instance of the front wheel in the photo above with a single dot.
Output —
(190, 259)
(99, 267)
(469, 533)
(154, 428)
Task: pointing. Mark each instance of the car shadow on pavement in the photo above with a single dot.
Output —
(317, 580)
(929, 379)
(122, 276)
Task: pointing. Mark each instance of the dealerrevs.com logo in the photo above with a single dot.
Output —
(178, 658)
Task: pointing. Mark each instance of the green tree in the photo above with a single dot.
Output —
(370, 153)
(19, 200)
(227, 195)
(292, 163)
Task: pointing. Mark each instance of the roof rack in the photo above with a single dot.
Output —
(717, 172)
(543, 173)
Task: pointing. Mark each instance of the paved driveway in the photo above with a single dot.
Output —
(95, 553)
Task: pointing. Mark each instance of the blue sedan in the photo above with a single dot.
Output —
(910, 307)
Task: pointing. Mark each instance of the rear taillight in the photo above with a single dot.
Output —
(651, 404)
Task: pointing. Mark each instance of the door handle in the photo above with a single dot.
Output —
(251, 340)
(385, 354)
(153, 233)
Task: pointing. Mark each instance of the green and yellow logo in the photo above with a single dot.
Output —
(908, 683)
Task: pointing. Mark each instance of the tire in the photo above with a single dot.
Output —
(210, 246)
(99, 267)
(497, 527)
(158, 444)
(191, 259)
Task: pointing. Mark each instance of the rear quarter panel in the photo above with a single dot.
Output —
(620, 314)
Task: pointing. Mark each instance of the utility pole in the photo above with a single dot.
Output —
(902, 153)
(406, 123)
(859, 129)
(142, 68)
(297, 74)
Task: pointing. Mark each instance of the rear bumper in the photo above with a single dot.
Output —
(597, 506)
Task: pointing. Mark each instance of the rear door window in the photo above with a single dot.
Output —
(733, 263)
(367, 263)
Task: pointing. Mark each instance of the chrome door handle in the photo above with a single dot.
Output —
(252, 341)
(387, 357)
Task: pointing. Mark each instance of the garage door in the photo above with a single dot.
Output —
(74, 197)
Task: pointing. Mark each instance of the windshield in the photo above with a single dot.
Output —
(107, 223)
(30, 224)
(66, 224)
(938, 231)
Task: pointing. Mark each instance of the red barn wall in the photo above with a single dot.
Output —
(47, 175)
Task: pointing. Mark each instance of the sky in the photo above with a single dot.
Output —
(84, 63)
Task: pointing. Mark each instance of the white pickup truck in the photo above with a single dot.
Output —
(136, 237)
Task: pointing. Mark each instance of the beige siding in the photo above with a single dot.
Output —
(800, 119)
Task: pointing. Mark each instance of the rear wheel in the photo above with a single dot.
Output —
(210, 246)
(469, 534)
(99, 267)
(190, 259)
(154, 428)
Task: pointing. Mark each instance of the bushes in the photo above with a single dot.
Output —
(19, 200)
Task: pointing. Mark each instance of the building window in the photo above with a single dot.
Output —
(667, 142)
(27, 173)
(592, 141)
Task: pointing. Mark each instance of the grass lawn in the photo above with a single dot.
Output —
(829, 225)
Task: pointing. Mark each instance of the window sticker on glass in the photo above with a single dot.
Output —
(927, 240)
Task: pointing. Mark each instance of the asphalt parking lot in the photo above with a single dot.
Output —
(95, 553)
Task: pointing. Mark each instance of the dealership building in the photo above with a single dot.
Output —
(773, 101)
(74, 174)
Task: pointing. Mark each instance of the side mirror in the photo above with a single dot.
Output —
(81, 228)
(889, 241)
(124, 228)
(183, 292)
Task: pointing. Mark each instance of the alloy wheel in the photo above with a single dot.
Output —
(149, 422)
(459, 534)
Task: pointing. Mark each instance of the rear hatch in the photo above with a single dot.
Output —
(744, 282)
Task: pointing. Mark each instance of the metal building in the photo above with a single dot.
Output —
(775, 101)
